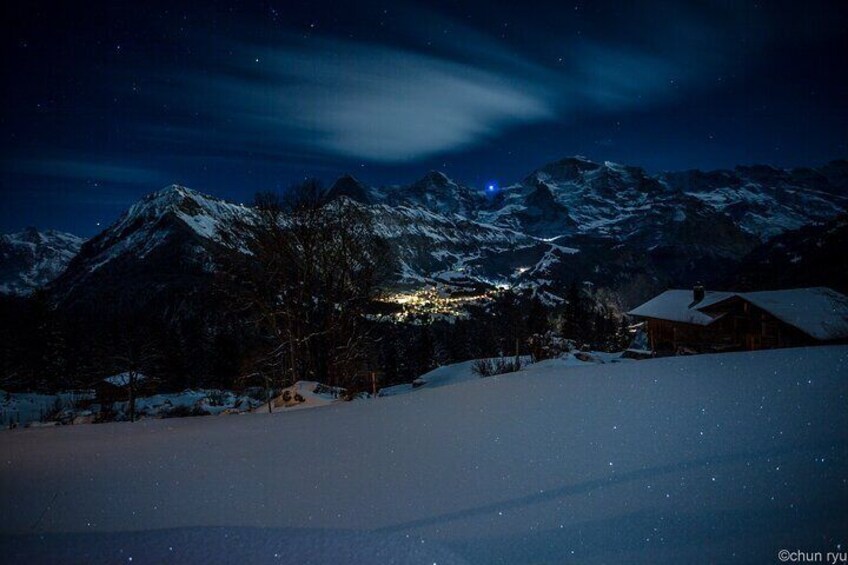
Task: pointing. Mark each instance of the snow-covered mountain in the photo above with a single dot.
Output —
(172, 211)
(608, 199)
(29, 259)
(727, 211)
(167, 242)
(613, 225)
(175, 236)
(620, 226)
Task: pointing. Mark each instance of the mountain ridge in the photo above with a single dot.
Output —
(570, 219)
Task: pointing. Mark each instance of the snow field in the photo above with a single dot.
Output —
(712, 458)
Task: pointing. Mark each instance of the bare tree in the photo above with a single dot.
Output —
(313, 269)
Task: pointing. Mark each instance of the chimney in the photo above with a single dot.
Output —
(698, 293)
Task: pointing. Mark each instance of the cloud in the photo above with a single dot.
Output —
(367, 101)
(86, 170)
(329, 97)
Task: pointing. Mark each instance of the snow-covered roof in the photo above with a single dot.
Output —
(819, 312)
(123, 379)
(679, 306)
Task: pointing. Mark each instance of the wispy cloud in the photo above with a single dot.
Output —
(87, 170)
(368, 101)
(393, 104)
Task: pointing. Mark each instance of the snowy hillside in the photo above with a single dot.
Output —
(715, 458)
(30, 259)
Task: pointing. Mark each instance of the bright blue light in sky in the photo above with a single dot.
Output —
(491, 187)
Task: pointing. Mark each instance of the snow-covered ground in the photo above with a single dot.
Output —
(302, 394)
(712, 458)
(34, 409)
(202, 401)
(464, 371)
(21, 409)
(24, 408)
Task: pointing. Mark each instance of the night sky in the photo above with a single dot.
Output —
(105, 102)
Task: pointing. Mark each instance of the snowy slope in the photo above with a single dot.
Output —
(169, 239)
(30, 259)
(22, 408)
(301, 395)
(463, 371)
(714, 458)
(428, 243)
(150, 222)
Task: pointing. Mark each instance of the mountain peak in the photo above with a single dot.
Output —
(435, 177)
(173, 198)
(347, 177)
(30, 233)
(567, 168)
(436, 192)
(174, 205)
(350, 186)
(174, 192)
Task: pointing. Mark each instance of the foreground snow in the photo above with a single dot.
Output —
(456, 373)
(22, 409)
(718, 458)
(303, 394)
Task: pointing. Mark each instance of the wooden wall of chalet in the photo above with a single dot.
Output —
(742, 326)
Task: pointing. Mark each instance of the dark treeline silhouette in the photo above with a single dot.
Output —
(301, 304)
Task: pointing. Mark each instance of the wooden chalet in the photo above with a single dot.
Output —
(700, 321)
